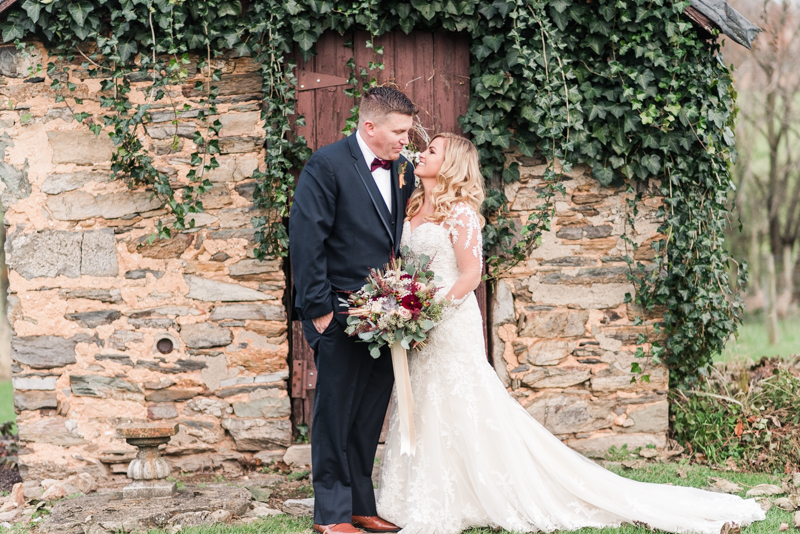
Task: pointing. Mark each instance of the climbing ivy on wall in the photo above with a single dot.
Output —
(626, 87)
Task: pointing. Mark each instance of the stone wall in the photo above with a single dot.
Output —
(563, 336)
(94, 308)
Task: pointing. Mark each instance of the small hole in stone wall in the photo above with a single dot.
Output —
(164, 345)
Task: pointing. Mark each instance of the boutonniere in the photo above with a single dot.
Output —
(401, 174)
(411, 154)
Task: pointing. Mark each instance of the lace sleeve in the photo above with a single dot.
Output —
(464, 228)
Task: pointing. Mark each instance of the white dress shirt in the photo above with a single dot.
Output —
(382, 177)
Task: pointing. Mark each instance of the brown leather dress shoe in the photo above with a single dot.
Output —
(337, 528)
(373, 523)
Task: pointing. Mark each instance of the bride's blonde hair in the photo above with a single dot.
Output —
(459, 180)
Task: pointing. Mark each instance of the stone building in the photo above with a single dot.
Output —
(110, 328)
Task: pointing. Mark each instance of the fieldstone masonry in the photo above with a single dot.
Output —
(563, 335)
(110, 329)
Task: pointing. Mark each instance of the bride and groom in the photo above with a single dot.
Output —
(481, 460)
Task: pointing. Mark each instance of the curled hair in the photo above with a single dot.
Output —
(459, 180)
(378, 102)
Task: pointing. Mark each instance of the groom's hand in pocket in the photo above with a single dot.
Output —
(321, 323)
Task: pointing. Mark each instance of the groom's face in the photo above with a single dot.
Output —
(387, 137)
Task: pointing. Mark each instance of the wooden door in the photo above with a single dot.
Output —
(431, 68)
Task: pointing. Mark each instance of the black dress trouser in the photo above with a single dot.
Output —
(350, 402)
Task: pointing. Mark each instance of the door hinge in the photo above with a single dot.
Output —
(304, 378)
(308, 81)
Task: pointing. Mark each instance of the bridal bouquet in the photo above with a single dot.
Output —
(396, 306)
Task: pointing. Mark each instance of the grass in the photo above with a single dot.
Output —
(281, 524)
(752, 340)
(697, 476)
(7, 402)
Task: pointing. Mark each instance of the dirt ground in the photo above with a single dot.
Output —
(282, 481)
(9, 475)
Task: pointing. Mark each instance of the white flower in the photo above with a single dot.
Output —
(404, 313)
(384, 322)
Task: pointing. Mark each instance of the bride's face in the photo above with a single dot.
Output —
(430, 161)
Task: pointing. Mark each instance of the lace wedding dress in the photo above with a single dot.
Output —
(482, 461)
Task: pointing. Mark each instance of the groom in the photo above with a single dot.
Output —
(347, 218)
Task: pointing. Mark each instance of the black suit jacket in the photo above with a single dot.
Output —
(340, 227)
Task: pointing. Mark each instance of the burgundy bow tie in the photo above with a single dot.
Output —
(379, 163)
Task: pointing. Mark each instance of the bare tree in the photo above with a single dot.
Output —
(768, 170)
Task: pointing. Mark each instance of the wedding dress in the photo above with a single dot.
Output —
(482, 461)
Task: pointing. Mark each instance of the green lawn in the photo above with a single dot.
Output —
(752, 340)
(7, 402)
(696, 476)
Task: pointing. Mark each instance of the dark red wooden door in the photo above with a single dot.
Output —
(431, 68)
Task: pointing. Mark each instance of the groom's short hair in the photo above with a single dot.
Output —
(378, 102)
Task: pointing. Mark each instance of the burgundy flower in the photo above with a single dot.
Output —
(412, 303)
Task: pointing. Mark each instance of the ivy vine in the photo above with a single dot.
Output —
(627, 87)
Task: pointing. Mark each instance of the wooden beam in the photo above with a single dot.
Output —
(5, 4)
(700, 20)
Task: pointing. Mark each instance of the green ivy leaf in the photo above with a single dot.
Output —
(426, 10)
(597, 111)
(80, 11)
(596, 43)
(652, 163)
(305, 40)
(33, 8)
(127, 50)
(492, 42)
(649, 140)
(511, 173)
(229, 8)
(645, 78)
(607, 11)
(561, 19)
(292, 7)
(727, 135)
(602, 174)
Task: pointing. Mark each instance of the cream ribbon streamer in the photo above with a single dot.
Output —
(405, 400)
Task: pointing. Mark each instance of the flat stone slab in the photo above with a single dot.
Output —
(262, 510)
(299, 507)
(151, 430)
(298, 455)
(149, 489)
(103, 513)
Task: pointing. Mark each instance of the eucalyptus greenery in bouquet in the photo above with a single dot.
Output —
(396, 305)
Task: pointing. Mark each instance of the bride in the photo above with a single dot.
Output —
(481, 460)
